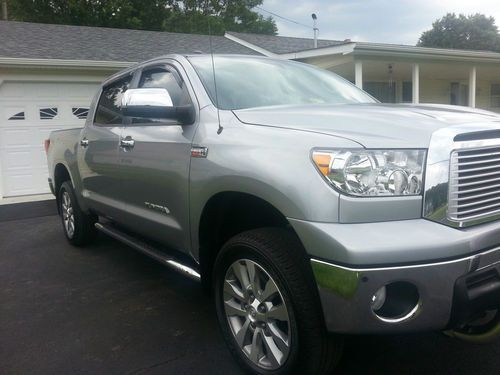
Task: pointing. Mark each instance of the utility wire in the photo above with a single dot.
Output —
(284, 18)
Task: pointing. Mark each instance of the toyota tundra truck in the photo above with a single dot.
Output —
(307, 208)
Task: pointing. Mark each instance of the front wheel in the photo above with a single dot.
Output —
(77, 225)
(268, 308)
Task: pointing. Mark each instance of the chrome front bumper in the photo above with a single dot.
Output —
(346, 293)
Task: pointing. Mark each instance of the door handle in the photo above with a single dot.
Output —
(84, 142)
(127, 142)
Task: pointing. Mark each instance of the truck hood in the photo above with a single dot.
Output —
(371, 125)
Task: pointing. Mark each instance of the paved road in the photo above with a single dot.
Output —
(107, 309)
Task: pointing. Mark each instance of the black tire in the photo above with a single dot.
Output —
(84, 231)
(280, 254)
(484, 329)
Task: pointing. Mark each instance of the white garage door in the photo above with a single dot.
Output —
(28, 113)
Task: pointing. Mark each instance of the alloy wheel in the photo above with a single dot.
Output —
(257, 314)
(68, 215)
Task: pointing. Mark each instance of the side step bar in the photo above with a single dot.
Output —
(150, 251)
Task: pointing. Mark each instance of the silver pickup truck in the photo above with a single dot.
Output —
(306, 207)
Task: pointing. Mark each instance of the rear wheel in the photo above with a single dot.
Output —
(268, 308)
(78, 226)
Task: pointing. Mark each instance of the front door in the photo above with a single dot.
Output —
(155, 165)
(98, 158)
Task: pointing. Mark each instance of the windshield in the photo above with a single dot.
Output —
(248, 82)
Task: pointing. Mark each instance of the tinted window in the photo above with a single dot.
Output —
(108, 109)
(244, 82)
(162, 78)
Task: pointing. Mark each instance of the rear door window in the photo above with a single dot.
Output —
(108, 111)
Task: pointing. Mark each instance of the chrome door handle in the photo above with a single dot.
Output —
(84, 142)
(127, 142)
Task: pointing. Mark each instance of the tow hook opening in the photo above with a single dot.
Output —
(396, 302)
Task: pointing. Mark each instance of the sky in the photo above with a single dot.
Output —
(383, 21)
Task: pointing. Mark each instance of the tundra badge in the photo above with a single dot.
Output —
(157, 207)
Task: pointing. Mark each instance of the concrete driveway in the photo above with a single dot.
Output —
(107, 309)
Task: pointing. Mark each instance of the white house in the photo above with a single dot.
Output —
(48, 74)
(396, 73)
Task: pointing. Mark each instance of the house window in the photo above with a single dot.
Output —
(383, 91)
(407, 95)
(17, 116)
(48, 113)
(459, 94)
(495, 95)
(80, 112)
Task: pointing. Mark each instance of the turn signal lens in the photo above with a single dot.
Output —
(322, 161)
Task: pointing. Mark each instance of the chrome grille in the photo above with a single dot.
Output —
(474, 190)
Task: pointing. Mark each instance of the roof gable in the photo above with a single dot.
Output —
(283, 44)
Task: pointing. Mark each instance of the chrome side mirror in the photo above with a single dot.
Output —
(154, 97)
(154, 103)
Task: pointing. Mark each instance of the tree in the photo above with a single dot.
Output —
(473, 32)
(191, 16)
(233, 15)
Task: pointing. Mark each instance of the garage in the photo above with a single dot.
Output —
(29, 111)
(48, 75)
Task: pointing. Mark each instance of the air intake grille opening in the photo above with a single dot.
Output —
(474, 184)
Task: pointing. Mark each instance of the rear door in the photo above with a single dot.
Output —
(155, 171)
(98, 160)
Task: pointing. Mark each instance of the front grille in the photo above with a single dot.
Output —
(474, 184)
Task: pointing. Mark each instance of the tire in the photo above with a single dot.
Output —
(274, 324)
(484, 329)
(78, 226)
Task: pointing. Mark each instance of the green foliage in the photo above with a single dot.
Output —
(189, 16)
(474, 32)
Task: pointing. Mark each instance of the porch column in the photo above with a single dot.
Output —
(415, 84)
(472, 87)
(358, 74)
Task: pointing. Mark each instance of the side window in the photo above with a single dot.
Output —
(108, 109)
(160, 77)
(163, 78)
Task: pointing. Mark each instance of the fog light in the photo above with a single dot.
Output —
(396, 302)
(378, 299)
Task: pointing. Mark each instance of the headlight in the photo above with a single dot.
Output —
(373, 172)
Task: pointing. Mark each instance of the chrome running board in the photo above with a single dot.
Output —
(150, 251)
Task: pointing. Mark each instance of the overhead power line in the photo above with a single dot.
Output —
(284, 18)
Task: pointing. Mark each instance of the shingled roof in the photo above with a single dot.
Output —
(283, 44)
(44, 41)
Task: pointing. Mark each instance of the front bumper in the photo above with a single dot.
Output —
(352, 261)
(346, 293)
